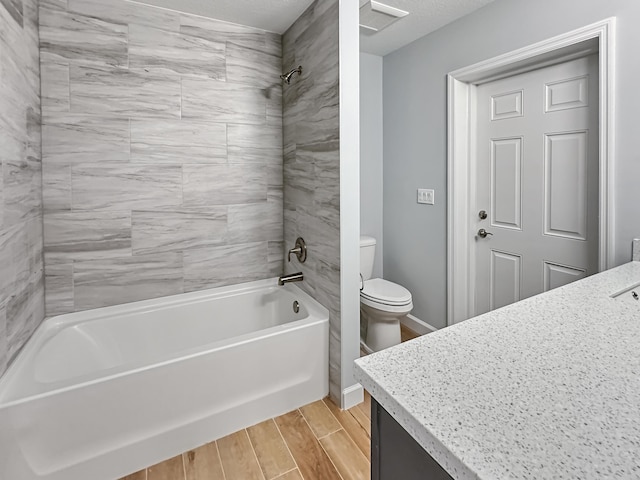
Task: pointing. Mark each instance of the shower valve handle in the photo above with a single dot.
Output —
(300, 250)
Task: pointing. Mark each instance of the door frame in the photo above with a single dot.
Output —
(461, 85)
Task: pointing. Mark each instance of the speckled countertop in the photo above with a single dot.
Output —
(548, 388)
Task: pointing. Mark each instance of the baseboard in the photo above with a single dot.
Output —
(352, 396)
(417, 325)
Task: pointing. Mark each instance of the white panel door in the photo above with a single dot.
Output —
(536, 177)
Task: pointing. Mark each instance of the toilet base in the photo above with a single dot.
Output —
(382, 334)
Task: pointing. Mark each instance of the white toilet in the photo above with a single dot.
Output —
(382, 304)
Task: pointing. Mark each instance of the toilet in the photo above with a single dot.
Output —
(382, 303)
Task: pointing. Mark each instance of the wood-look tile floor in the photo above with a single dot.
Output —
(315, 442)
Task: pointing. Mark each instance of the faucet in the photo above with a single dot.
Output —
(294, 277)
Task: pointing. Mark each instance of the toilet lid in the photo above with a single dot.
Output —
(382, 291)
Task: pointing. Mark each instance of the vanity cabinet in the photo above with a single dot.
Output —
(395, 454)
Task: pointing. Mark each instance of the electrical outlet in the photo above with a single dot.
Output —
(426, 196)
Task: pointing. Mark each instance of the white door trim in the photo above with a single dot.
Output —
(460, 95)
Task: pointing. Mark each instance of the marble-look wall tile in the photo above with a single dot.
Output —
(219, 31)
(55, 87)
(311, 131)
(58, 281)
(252, 66)
(127, 92)
(125, 187)
(223, 102)
(172, 150)
(70, 36)
(113, 281)
(178, 141)
(56, 187)
(254, 222)
(224, 184)
(69, 139)
(255, 143)
(176, 52)
(126, 12)
(178, 230)
(4, 340)
(77, 236)
(225, 265)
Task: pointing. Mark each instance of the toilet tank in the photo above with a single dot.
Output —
(367, 254)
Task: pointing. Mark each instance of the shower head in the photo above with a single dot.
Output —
(287, 76)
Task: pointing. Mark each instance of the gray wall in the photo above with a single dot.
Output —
(415, 129)
(162, 153)
(312, 162)
(21, 271)
(371, 145)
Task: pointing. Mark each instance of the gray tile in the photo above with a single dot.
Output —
(224, 184)
(25, 311)
(56, 187)
(9, 238)
(115, 281)
(225, 265)
(255, 222)
(127, 92)
(177, 52)
(253, 66)
(55, 87)
(72, 36)
(178, 141)
(14, 8)
(125, 186)
(219, 31)
(70, 139)
(255, 143)
(58, 281)
(178, 230)
(4, 341)
(123, 11)
(275, 257)
(77, 236)
(21, 189)
(222, 101)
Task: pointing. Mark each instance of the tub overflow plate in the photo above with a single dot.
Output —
(296, 306)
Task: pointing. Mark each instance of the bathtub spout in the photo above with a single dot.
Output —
(294, 277)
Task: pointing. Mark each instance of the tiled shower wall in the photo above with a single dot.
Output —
(312, 161)
(162, 153)
(21, 270)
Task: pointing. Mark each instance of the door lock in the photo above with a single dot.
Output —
(482, 214)
(482, 233)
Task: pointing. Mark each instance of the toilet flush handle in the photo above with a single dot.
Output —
(361, 283)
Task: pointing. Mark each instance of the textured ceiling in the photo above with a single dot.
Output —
(271, 15)
(425, 16)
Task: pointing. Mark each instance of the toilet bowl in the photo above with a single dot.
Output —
(382, 304)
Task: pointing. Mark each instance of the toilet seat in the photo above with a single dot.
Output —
(386, 296)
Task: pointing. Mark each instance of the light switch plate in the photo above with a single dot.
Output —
(426, 196)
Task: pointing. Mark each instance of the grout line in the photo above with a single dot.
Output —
(224, 475)
(284, 473)
(255, 455)
(321, 446)
(287, 445)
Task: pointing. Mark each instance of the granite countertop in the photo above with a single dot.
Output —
(547, 388)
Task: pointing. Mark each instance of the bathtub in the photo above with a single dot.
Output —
(103, 393)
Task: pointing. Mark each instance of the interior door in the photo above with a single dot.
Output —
(536, 182)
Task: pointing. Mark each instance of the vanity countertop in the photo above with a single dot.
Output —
(547, 388)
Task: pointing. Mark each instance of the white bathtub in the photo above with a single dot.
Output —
(103, 393)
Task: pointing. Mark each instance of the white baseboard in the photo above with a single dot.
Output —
(417, 325)
(352, 396)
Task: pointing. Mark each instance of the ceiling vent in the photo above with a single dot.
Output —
(376, 16)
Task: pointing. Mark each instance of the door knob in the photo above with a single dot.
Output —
(482, 233)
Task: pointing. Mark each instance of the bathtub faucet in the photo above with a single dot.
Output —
(294, 277)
